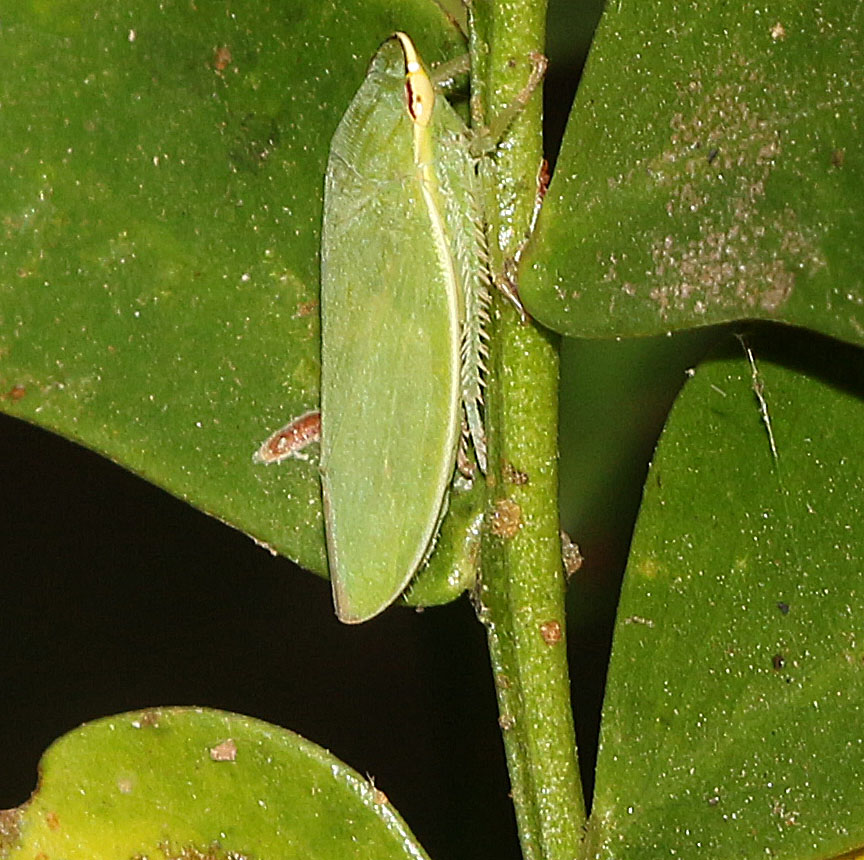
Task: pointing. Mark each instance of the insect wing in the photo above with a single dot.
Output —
(390, 363)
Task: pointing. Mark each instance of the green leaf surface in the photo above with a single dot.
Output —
(732, 724)
(197, 784)
(161, 203)
(711, 171)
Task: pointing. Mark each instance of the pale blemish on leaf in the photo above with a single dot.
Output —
(224, 751)
(10, 829)
(638, 619)
(147, 719)
(515, 476)
(648, 567)
(306, 309)
(731, 244)
(551, 632)
(506, 518)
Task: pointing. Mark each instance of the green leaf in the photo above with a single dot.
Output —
(173, 783)
(161, 204)
(710, 171)
(731, 724)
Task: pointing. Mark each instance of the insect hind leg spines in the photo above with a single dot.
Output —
(475, 334)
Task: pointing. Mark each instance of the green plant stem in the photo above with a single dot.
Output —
(521, 590)
(521, 597)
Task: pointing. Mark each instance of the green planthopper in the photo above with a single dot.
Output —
(404, 303)
(404, 291)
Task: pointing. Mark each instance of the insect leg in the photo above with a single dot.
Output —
(507, 281)
(486, 138)
(446, 75)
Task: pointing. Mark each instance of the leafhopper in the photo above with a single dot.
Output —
(404, 294)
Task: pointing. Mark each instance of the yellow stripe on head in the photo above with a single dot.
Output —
(419, 92)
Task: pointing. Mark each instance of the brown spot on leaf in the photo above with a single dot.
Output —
(10, 829)
(506, 518)
(306, 309)
(515, 476)
(52, 820)
(224, 751)
(147, 719)
(551, 632)
(222, 58)
(15, 393)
